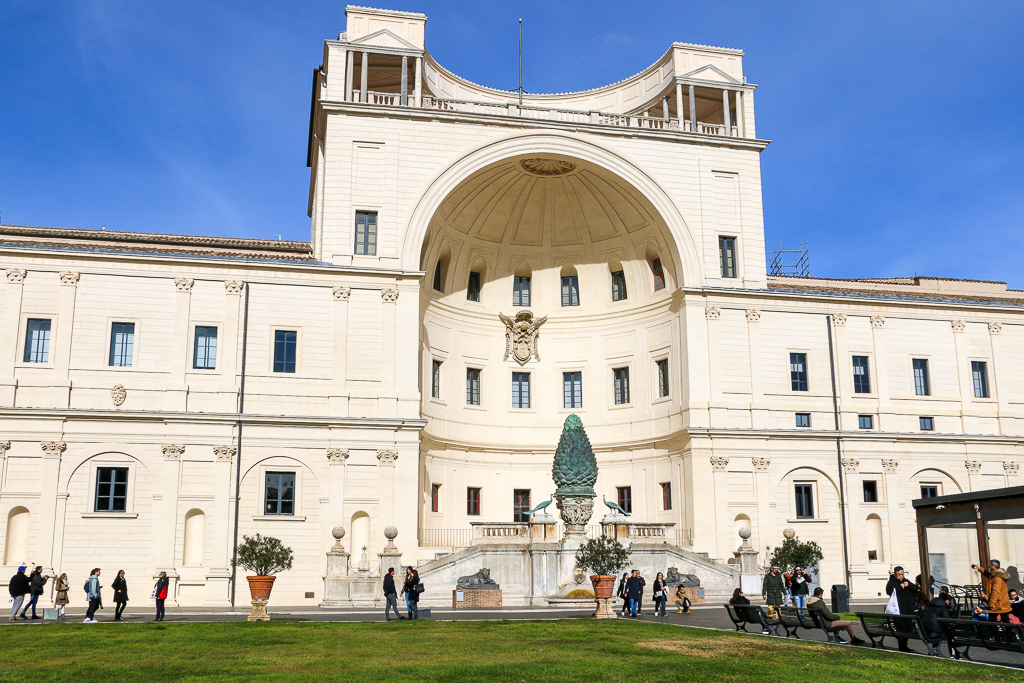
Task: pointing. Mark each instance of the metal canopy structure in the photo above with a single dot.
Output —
(976, 510)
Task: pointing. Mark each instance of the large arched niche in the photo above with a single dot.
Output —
(603, 190)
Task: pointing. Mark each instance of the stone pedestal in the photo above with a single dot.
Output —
(471, 598)
(746, 559)
(604, 608)
(575, 510)
(259, 611)
(336, 580)
(543, 527)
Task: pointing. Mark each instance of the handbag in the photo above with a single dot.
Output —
(419, 588)
(893, 606)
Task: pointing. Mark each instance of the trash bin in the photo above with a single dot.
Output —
(840, 598)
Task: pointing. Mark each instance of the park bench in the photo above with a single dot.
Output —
(881, 626)
(875, 625)
(826, 627)
(991, 635)
(741, 615)
(792, 618)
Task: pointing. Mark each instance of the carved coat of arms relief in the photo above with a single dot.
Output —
(521, 336)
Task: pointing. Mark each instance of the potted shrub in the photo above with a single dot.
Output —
(264, 556)
(605, 557)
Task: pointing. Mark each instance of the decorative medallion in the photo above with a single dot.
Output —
(547, 167)
(118, 394)
(521, 336)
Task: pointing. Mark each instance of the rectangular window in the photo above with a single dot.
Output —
(871, 492)
(866, 421)
(618, 286)
(921, 387)
(473, 288)
(122, 344)
(435, 497)
(571, 290)
(659, 274)
(662, 377)
(279, 493)
(204, 356)
(929, 491)
(111, 489)
(803, 419)
(621, 381)
(798, 371)
(727, 255)
(520, 505)
(520, 291)
(979, 373)
(435, 379)
(472, 501)
(572, 389)
(625, 496)
(666, 495)
(927, 424)
(804, 501)
(520, 390)
(472, 386)
(861, 380)
(284, 350)
(37, 341)
(366, 233)
(872, 556)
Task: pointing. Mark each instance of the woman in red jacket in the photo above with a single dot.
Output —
(160, 594)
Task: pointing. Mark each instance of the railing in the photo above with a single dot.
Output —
(446, 538)
(500, 532)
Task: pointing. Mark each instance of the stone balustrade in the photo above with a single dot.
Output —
(500, 532)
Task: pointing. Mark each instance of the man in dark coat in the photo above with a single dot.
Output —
(934, 610)
(18, 587)
(391, 595)
(634, 589)
(772, 589)
(905, 592)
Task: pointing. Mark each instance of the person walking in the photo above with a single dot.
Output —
(19, 587)
(682, 600)
(391, 595)
(160, 594)
(772, 588)
(622, 592)
(800, 585)
(36, 581)
(658, 590)
(816, 604)
(906, 595)
(93, 594)
(738, 598)
(995, 579)
(120, 587)
(415, 588)
(407, 591)
(61, 601)
(640, 598)
(634, 590)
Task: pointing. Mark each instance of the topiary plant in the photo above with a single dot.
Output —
(263, 555)
(793, 553)
(604, 556)
(575, 467)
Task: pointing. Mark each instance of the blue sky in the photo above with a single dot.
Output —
(897, 127)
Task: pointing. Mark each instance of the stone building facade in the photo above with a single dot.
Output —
(479, 268)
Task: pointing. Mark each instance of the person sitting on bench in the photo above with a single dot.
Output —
(816, 604)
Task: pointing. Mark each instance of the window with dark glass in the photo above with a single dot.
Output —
(621, 380)
(979, 374)
(804, 501)
(866, 421)
(472, 501)
(927, 424)
(520, 291)
(662, 366)
(279, 493)
(871, 492)
(798, 371)
(111, 489)
(366, 233)
(618, 286)
(803, 419)
(861, 380)
(659, 274)
(929, 491)
(37, 341)
(520, 390)
(473, 288)
(625, 496)
(572, 389)
(520, 505)
(666, 495)
(921, 386)
(571, 290)
(472, 386)
(439, 277)
(435, 379)
(284, 350)
(727, 256)
(122, 344)
(204, 352)
(435, 497)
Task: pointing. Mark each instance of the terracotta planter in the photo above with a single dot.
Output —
(260, 586)
(603, 585)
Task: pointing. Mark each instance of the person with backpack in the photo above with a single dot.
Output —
(18, 587)
(120, 587)
(160, 594)
(36, 581)
(92, 594)
(415, 588)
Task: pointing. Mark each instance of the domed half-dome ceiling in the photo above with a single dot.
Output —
(545, 201)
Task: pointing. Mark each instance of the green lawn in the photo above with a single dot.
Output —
(527, 651)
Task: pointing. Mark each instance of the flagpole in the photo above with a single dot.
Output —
(520, 61)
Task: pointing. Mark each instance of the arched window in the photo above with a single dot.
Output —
(194, 551)
(475, 281)
(16, 551)
(618, 280)
(441, 270)
(360, 535)
(570, 286)
(521, 285)
(657, 271)
(874, 539)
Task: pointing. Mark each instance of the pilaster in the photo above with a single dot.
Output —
(759, 410)
(13, 290)
(387, 400)
(881, 384)
(898, 551)
(49, 476)
(177, 392)
(60, 385)
(166, 530)
(335, 517)
(218, 580)
(720, 475)
(339, 390)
